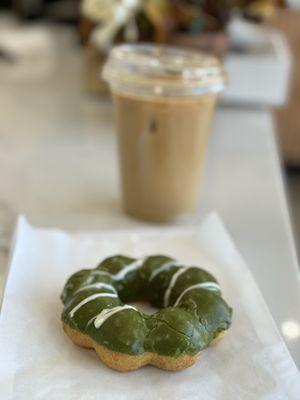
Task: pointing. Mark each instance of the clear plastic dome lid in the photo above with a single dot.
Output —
(162, 71)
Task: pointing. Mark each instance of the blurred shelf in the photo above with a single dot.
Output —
(258, 67)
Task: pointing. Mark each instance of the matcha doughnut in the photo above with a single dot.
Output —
(191, 316)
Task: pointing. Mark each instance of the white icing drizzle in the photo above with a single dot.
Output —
(88, 299)
(204, 285)
(108, 312)
(96, 285)
(96, 272)
(164, 267)
(130, 267)
(172, 284)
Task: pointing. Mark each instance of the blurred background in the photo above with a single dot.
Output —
(59, 46)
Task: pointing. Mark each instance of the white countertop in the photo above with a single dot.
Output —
(58, 167)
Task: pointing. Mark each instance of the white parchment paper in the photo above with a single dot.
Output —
(37, 361)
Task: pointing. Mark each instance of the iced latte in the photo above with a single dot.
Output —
(164, 99)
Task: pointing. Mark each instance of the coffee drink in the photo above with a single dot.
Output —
(163, 121)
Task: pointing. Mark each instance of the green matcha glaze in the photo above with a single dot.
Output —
(124, 332)
(94, 305)
(128, 288)
(211, 310)
(173, 331)
(78, 280)
(190, 277)
(87, 311)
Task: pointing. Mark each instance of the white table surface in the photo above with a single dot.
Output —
(58, 167)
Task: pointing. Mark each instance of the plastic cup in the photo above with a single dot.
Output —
(164, 99)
